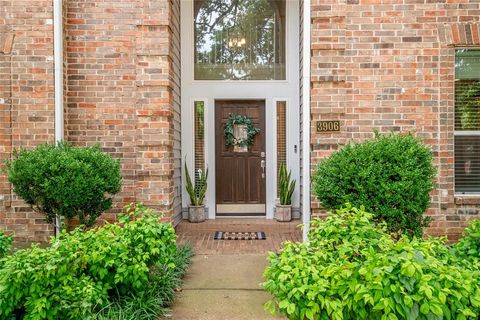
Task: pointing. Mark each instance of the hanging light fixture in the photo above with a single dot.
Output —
(236, 42)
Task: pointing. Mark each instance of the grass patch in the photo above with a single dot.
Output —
(153, 302)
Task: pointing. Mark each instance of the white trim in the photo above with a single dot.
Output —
(241, 208)
(58, 79)
(270, 91)
(467, 133)
(58, 65)
(306, 119)
(293, 156)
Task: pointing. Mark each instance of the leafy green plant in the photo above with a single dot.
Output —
(353, 269)
(151, 303)
(47, 284)
(286, 185)
(391, 175)
(5, 244)
(81, 271)
(66, 181)
(124, 264)
(468, 247)
(196, 192)
(228, 130)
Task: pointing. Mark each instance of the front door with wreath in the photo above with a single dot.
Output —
(240, 157)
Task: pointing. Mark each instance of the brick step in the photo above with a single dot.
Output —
(240, 225)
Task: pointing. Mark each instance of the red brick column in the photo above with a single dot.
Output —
(6, 44)
(389, 65)
(122, 93)
(26, 98)
(100, 67)
(329, 87)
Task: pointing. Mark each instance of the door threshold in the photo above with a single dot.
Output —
(240, 209)
(240, 216)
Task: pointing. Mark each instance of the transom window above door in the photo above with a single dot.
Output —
(239, 40)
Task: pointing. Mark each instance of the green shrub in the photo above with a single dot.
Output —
(81, 271)
(390, 175)
(151, 303)
(468, 247)
(65, 180)
(353, 269)
(5, 244)
(120, 255)
(47, 284)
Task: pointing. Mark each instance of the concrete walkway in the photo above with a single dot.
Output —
(221, 287)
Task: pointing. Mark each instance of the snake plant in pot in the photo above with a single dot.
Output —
(196, 192)
(286, 186)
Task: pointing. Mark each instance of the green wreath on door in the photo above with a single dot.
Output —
(228, 130)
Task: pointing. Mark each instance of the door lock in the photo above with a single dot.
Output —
(262, 164)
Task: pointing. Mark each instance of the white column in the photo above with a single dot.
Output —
(306, 119)
(58, 76)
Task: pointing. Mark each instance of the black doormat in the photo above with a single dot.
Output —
(237, 235)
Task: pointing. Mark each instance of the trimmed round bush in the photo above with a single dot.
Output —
(353, 270)
(65, 180)
(390, 175)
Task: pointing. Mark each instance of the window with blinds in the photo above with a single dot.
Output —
(467, 121)
(199, 139)
(281, 135)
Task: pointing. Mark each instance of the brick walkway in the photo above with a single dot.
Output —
(201, 235)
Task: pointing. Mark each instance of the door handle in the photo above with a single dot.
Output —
(262, 164)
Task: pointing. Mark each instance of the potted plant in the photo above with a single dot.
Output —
(286, 187)
(196, 209)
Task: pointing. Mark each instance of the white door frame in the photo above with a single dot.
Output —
(270, 91)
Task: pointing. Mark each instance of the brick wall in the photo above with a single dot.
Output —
(26, 101)
(389, 65)
(100, 67)
(376, 64)
(121, 68)
(123, 93)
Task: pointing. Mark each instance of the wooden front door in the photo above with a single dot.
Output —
(240, 174)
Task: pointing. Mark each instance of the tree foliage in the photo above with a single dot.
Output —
(467, 104)
(220, 26)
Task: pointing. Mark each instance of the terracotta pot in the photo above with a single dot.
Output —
(283, 212)
(196, 213)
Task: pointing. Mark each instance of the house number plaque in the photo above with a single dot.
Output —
(328, 126)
